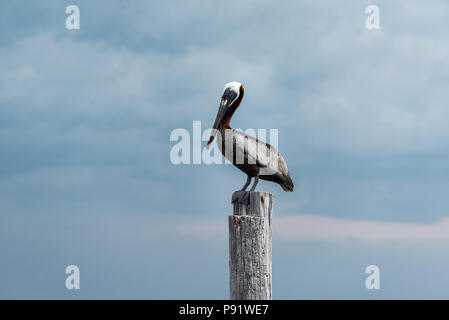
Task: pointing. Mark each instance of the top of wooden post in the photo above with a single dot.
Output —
(253, 203)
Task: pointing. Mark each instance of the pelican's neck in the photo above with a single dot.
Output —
(227, 118)
(226, 125)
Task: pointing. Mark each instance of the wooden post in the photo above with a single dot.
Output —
(250, 246)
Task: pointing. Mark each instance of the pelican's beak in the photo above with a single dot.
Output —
(227, 100)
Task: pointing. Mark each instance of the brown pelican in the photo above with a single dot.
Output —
(254, 157)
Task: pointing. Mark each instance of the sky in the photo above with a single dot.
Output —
(86, 116)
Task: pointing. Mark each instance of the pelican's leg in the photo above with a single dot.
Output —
(248, 181)
(241, 196)
(256, 180)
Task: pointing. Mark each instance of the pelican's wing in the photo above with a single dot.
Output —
(249, 150)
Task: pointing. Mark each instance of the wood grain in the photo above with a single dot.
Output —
(250, 248)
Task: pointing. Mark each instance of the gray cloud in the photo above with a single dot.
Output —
(303, 227)
(85, 116)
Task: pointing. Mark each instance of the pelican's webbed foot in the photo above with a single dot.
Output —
(241, 197)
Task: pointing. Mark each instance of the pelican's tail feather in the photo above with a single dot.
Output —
(287, 183)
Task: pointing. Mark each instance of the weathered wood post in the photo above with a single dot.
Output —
(250, 246)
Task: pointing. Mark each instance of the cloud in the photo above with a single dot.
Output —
(110, 94)
(86, 116)
(310, 227)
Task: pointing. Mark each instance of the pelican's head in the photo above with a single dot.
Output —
(232, 92)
